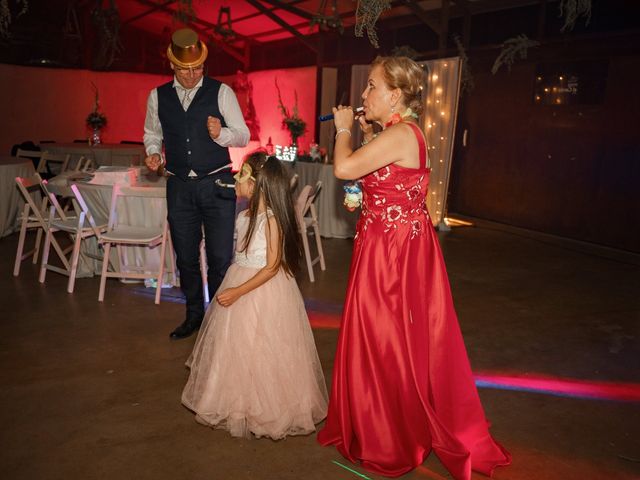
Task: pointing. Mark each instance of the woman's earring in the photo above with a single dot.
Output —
(393, 109)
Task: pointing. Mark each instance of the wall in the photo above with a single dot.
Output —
(572, 171)
(301, 81)
(52, 104)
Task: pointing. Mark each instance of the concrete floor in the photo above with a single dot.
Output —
(92, 390)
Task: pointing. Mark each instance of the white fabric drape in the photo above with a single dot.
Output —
(439, 123)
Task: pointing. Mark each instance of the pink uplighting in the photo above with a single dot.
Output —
(324, 320)
(569, 387)
(535, 383)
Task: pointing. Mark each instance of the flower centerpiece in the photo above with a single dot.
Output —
(291, 122)
(96, 120)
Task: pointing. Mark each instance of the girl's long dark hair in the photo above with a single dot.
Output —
(272, 182)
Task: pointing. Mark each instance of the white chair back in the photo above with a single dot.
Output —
(33, 216)
(120, 234)
(294, 181)
(94, 216)
(28, 154)
(53, 192)
(85, 164)
(59, 161)
(305, 204)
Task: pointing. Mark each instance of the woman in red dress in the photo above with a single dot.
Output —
(402, 385)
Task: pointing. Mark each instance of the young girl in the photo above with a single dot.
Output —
(254, 367)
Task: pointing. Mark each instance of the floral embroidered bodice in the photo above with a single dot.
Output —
(256, 255)
(394, 196)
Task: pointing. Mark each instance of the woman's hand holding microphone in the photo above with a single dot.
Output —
(343, 117)
(343, 120)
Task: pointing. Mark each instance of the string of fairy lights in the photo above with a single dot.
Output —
(439, 121)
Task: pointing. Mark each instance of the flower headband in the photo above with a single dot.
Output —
(245, 173)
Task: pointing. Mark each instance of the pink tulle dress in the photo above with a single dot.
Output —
(254, 366)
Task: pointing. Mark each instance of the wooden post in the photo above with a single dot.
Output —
(444, 28)
(542, 14)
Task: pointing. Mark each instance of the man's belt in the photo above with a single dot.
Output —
(218, 182)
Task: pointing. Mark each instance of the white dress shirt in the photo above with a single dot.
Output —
(235, 134)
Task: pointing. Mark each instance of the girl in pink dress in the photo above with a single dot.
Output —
(402, 385)
(254, 366)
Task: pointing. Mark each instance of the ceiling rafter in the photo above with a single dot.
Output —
(290, 8)
(466, 27)
(422, 14)
(151, 10)
(257, 5)
(444, 26)
(195, 21)
(345, 15)
(464, 4)
(257, 14)
(431, 17)
(207, 29)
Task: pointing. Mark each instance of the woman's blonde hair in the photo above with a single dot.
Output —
(405, 74)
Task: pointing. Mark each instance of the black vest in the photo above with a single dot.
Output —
(187, 143)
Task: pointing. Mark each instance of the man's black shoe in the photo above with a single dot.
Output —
(186, 329)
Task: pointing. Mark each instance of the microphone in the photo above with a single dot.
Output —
(329, 116)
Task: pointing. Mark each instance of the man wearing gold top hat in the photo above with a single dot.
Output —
(197, 119)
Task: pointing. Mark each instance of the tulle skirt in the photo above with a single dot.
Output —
(254, 367)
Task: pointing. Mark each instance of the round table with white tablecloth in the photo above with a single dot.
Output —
(104, 154)
(11, 201)
(138, 211)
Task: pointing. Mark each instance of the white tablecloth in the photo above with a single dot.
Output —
(335, 220)
(105, 154)
(11, 202)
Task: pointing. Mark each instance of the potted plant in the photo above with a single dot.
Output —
(96, 120)
(291, 122)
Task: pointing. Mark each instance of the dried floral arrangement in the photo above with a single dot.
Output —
(291, 121)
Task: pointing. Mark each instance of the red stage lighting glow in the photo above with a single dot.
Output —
(565, 387)
(322, 316)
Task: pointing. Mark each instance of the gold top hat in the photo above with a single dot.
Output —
(186, 50)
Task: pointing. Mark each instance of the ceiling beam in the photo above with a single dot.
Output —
(257, 14)
(151, 10)
(345, 15)
(542, 17)
(258, 6)
(466, 26)
(290, 8)
(419, 12)
(207, 29)
(444, 27)
(195, 21)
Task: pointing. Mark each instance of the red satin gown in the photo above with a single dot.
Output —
(402, 385)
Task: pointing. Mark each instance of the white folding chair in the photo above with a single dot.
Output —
(79, 227)
(85, 164)
(79, 164)
(305, 204)
(126, 235)
(33, 216)
(29, 155)
(294, 182)
(59, 161)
